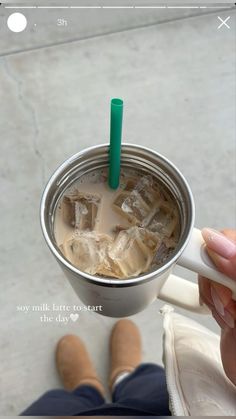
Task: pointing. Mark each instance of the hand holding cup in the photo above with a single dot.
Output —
(221, 247)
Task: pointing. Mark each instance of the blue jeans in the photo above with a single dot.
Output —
(142, 392)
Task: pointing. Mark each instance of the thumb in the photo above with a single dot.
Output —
(222, 250)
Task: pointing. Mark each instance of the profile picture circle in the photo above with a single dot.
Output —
(17, 22)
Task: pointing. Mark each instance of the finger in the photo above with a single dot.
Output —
(217, 297)
(224, 321)
(219, 243)
(218, 319)
(207, 287)
(221, 293)
(220, 247)
(204, 286)
(224, 315)
(231, 234)
(231, 308)
(228, 267)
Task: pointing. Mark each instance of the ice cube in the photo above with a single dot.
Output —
(137, 200)
(133, 251)
(135, 207)
(147, 190)
(164, 251)
(87, 251)
(163, 221)
(109, 268)
(80, 210)
(131, 206)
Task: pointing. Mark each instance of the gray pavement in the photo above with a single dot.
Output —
(177, 79)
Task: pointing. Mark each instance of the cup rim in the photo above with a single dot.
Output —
(117, 283)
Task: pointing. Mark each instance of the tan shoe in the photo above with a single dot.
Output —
(125, 347)
(74, 364)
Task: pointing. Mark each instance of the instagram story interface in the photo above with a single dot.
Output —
(117, 149)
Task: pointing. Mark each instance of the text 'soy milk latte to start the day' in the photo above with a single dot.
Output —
(116, 233)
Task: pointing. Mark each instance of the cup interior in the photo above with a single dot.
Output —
(143, 160)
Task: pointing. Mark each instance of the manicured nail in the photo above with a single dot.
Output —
(217, 302)
(228, 319)
(219, 243)
(200, 301)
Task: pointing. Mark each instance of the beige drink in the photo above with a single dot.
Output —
(120, 233)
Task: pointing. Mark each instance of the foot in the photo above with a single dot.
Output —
(125, 347)
(74, 365)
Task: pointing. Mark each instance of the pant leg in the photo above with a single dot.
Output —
(145, 389)
(62, 402)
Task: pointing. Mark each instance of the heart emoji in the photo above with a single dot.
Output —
(74, 317)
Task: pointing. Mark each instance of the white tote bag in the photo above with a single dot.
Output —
(196, 381)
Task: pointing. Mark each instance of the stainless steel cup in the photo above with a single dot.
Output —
(120, 298)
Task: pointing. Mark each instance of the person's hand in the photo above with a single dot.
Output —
(221, 248)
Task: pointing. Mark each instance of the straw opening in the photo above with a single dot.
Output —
(117, 102)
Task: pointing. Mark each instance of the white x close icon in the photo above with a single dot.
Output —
(223, 22)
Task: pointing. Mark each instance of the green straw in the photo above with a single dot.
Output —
(115, 142)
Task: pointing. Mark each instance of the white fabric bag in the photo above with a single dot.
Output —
(196, 380)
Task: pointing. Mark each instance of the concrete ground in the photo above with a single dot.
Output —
(177, 78)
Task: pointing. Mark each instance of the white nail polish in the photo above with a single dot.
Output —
(228, 319)
(217, 302)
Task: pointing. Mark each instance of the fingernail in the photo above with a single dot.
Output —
(200, 301)
(217, 302)
(228, 319)
(219, 243)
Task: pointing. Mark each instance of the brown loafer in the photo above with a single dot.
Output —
(74, 364)
(125, 347)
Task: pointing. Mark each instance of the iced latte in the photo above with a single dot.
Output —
(117, 233)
